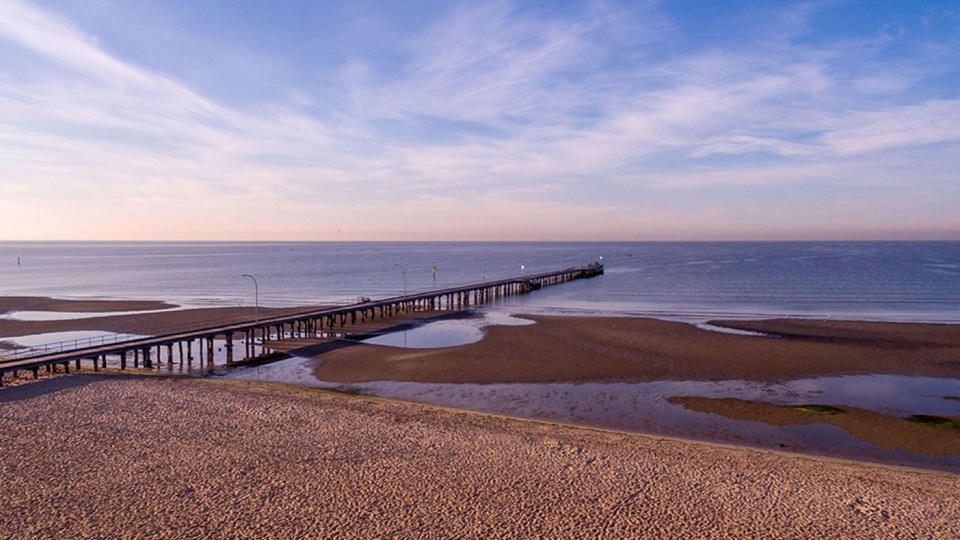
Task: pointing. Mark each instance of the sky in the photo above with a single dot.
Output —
(534, 120)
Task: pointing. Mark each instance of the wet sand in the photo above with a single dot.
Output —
(128, 456)
(580, 349)
(879, 334)
(878, 429)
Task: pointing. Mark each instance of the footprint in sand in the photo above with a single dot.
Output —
(870, 509)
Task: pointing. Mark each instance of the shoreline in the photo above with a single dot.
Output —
(786, 453)
(144, 374)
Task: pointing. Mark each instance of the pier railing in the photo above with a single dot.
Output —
(18, 352)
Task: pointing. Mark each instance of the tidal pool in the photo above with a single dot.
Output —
(447, 332)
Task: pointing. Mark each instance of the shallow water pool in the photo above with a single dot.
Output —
(448, 332)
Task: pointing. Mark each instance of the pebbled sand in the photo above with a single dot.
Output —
(144, 457)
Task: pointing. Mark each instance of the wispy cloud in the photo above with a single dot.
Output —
(859, 132)
(494, 121)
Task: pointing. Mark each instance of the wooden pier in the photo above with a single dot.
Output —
(313, 323)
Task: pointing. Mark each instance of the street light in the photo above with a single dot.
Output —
(256, 296)
(404, 270)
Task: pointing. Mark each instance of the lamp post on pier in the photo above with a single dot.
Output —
(256, 299)
(404, 270)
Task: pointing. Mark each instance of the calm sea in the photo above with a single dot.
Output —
(917, 281)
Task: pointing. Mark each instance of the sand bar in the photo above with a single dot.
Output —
(579, 349)
(876, 428)
(43, 303)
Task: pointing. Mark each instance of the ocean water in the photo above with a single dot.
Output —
(898, 281)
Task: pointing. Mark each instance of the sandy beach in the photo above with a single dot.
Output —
(137, 457)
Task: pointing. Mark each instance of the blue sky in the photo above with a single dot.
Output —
(287, 120)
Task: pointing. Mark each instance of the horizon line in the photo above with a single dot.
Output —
(521, 241)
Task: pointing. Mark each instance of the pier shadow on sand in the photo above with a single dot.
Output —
(46, 386)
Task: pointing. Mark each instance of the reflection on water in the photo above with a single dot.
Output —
(643, 407)
(896, 395)
(447, 333)
(430, 335)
